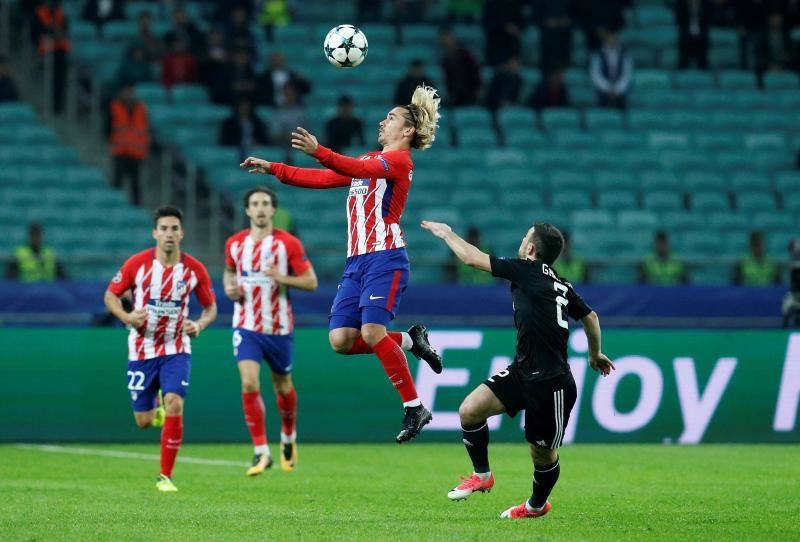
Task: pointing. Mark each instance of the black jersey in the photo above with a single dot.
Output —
(542, 302)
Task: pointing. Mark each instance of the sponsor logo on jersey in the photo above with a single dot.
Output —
(256, 278)
(164, 307)
(117, 277)
(359, 187)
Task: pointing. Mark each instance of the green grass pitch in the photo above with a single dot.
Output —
(390, 492)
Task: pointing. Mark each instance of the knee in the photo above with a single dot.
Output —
(543, 456)
(468, 413)
(250, 384)
(144, 422)
(282, 385)
(372, 334)
(339, 343)
(173, 404)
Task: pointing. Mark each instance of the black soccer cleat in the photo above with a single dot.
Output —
(416, 418)
(422, 348)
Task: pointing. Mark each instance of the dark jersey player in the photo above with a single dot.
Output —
(539, 380)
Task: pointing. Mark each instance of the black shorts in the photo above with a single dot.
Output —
(547, 404)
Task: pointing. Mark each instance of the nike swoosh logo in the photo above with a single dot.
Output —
(184, 383)
(373, 298)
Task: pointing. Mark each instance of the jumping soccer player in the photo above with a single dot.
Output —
(261, 263)
(539, 379)
(377, 267)
(159, 347)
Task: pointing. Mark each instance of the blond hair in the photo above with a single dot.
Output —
(423, 115)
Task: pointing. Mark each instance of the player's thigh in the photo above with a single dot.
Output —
(381, 293)
(548, 410)
(479, 405)
(278, 352)
(344, 310)
(507, 389)
(250, 374)
(143, 384)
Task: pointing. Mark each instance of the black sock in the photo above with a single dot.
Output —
(544, 478)
(476, 440)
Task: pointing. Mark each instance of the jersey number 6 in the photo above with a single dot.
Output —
(561, 303)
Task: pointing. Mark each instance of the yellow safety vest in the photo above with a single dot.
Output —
(663, 272)
(36, 267)
(755, 273)
(275, 12)
(573, 270)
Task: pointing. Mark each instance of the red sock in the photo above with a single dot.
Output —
(361, 347)
(254, 413)
(396, 367)
(171, 439)
(287, 408)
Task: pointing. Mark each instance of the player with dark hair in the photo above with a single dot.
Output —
(377, 268)
(159, 349)
(261, 263)
(539, 379)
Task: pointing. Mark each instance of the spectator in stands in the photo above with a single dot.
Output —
(35, 262)
(129, 139)
(694, 19)
(592, 15)
(569, 266)
(756, 268)
(457, 271)
(277, 76)
(662, 268)
(415, 77)
(8, 89)
(241, 79)
(502, 28)
(551, 91)
(238, 36)
(344, 129)
(49, 30)
(179, 65)
(184, 29)
(147, 39)
(243, 129)
(611, 71)
(215, 67)
(555, 33)
(272, 13)
(100, 12)
(288, 116)
(505, 88)
(133, 69)
(462, 73)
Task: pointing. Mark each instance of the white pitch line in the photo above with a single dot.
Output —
(51, 448)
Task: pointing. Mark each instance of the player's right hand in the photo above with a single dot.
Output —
(255, 165)
(137, 318)
(601, 363)
(234, 292)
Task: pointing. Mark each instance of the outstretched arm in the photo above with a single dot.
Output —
(296, 176)
(597, 360)
(467, 253)
(305, 141)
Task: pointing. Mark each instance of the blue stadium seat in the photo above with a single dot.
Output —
(725, 222)
(645, 80)
(573, 139)
(512, 117)
(473, 116)
(152, 93)
(647, 119)
(614, 274)
(698, 181)
(570, 180)
(710, 274)
(736, 80)
(681, 221)
(709, 201)
(477, 137)
(694, 79)
(753, 201)
(773, 221)
(662, 200)
(766, 141)
(781, 81)
(598, 118)
(787, 182)
(638, 221)
(615, 180)
(654, 15)
(717, 140)
(501, 158)
(599, 219)
(659, 180)
(617, 199)
(189, 94)
(698, 244)
(525, 137)
(668, 140)
(749, 180)
(619, 139)
(570, 200)
(560, 118)
(16, 113)
(687, 119)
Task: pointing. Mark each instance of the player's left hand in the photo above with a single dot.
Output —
(276, 275)
(304, 140)
(601, 363)
(191, 328)
(438, 229)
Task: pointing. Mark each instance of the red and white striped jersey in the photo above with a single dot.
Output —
(164, 293)
(379, 184)
(265, 307)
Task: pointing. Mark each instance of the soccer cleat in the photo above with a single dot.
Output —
(161, 412)
(163, 483)
(422, 348)
(416, 418)
(521, 511)
(261, 462)
(469, 486)
(288, 456)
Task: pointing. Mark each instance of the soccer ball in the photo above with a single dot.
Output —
(345, 46)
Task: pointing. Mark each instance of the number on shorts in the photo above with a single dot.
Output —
(135, 380)
(501, 374)
(561, 302)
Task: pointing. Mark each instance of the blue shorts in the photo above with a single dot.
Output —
(276, 350)
(371, 288)
(168, 373)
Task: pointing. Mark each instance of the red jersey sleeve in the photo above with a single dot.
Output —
(204, 289)
(390, 165)
(298, 261)
(307, 177)
(229, 261)
(124, 279)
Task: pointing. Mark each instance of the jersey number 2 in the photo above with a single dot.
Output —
(561, 302)
(135, 380)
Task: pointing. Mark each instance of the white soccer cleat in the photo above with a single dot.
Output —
(469, 486)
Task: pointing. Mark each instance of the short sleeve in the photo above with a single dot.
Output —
(503, 268)
(123, 280)
(204, 289)
(576, 306)
(298, 261)
(229, 261)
